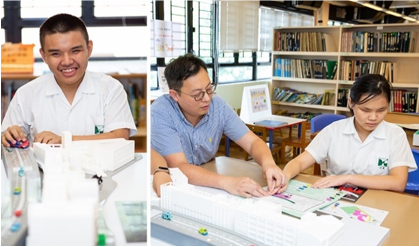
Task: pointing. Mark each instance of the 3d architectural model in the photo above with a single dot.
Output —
(94, 157)
(257, 219)
(68, 211)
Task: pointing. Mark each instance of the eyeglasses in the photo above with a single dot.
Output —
(199, 96)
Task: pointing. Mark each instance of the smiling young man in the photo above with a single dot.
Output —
(187, 126)
(89, 105)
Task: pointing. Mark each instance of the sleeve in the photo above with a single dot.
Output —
(319, 146)
(401, 152)
(117, 112)
(15, 114)
(234, 127)
(164, 136)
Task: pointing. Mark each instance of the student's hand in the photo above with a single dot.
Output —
(285, 185)
(274, 177)
(330, 181)
(12, 134)
(158, 179)
(243, 186)
(47, 137)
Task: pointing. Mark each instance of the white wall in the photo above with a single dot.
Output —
(232, 93)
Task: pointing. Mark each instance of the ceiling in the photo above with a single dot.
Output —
(356, 11)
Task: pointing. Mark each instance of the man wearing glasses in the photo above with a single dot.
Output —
(187, 126)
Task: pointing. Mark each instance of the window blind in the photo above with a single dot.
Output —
(270, 18)
(239, 24)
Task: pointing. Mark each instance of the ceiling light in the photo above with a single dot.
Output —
(372, 6)
(378, 8)
(410, 19)
(393, 13)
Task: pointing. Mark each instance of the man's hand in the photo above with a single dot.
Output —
(274, 177)
(158, 179)
(330, 181)
(12, 134)
(243, 186)
(47, 137)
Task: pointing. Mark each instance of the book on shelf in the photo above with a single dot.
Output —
(270, 123)
(343, 95)
(328, 97)
(331, 67)
(278, 67)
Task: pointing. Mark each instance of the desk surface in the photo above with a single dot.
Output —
(402, 219)
(132, 184)
(290, 121)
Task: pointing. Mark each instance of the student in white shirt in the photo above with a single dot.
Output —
(363, 150)
(89, 105)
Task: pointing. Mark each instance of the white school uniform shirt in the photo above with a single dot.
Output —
(385, 148)
(40, 105)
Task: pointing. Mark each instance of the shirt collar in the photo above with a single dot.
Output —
(378, 133)
(86, 86)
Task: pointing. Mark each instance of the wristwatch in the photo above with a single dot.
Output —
(162, 169)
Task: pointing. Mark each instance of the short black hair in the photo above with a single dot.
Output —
(62, 23)
(371, 85)
(182, 68)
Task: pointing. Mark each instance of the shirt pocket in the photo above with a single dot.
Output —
(377, 164)
(94, 125)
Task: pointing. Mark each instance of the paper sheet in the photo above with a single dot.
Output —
(356, 212)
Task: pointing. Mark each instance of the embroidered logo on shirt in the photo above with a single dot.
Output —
(99, 129)
(210, 139)
(382, 163)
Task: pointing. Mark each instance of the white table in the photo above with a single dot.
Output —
(132, 186)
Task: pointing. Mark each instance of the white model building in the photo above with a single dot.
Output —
(68, 212)
(260, 220)
(94, 157)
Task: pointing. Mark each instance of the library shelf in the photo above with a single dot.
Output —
(331, 44)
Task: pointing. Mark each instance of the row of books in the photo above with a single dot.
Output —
(403, 101)
(304, 41)
(361, 41)
(294, 96)
(352, 69)
(305, 68)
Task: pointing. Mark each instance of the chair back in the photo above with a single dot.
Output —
(413, 178)
(321, 121)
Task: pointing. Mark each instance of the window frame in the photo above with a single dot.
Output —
(13, 24)
(158, 13)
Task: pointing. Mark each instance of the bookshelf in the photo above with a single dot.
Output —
(330, 44)
(139, 79)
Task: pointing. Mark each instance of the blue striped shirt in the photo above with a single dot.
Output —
(172, 133)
